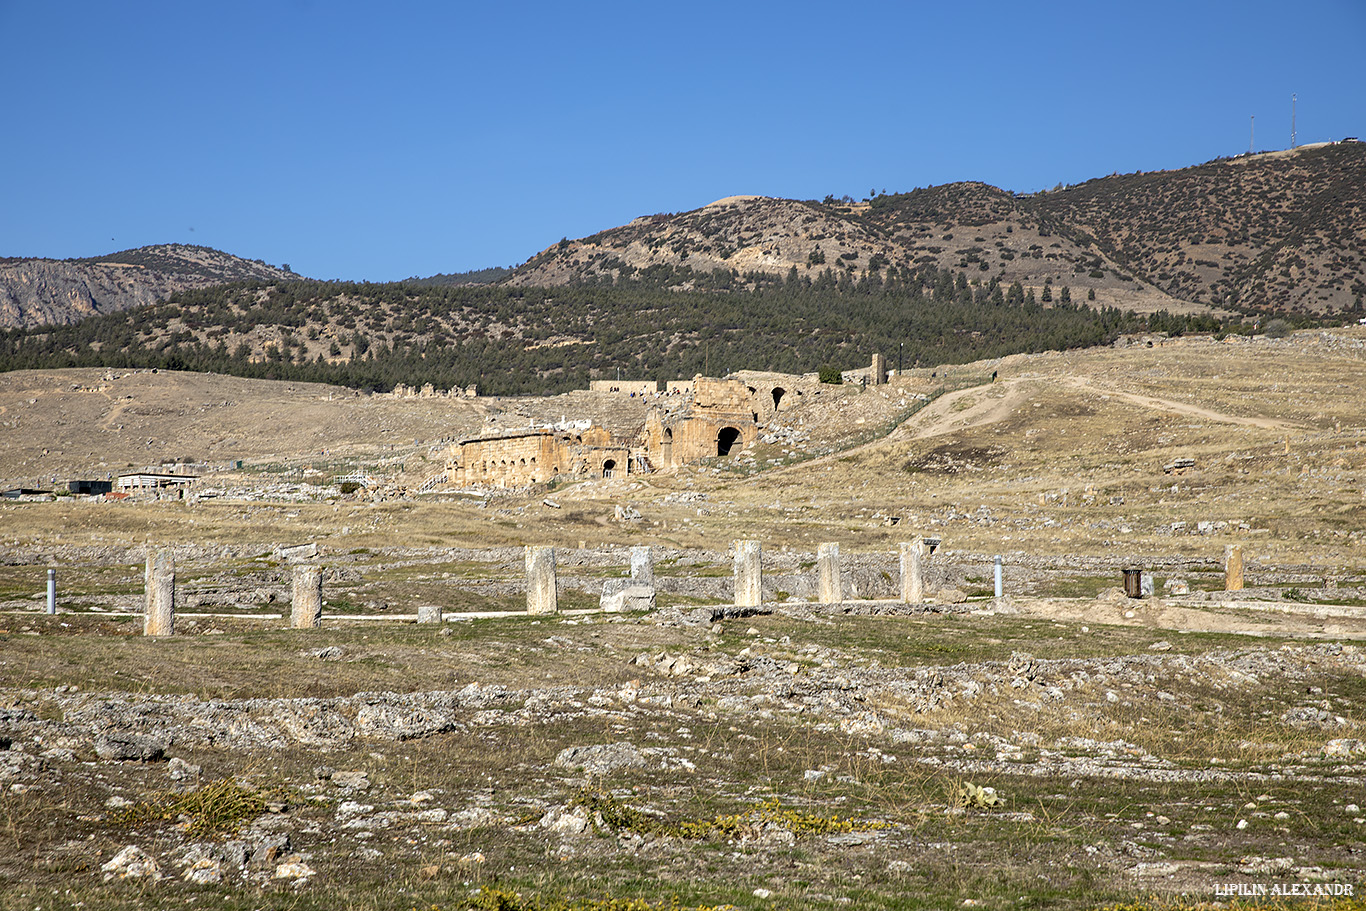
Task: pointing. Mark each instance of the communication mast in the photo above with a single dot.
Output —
(1252, 134)
(1292, 121)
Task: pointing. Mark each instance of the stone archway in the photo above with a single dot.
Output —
(778, 393)
(726, 440)
(608, 467)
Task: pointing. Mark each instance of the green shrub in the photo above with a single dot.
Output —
(1276, 328)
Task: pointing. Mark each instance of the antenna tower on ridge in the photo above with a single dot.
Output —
(1252, 134)
(1292, 121)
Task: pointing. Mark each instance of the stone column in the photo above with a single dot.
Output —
(748, 574)
(52, 591)
(158, 618)
(306, 609)
(1000, 587)
(1233, 568)
(912, 576)
(542, 590)
(828, 574)
(642, 566)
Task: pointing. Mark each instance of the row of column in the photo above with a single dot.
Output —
(542, 595)
(542, 586)
(749, 573)
(158, 618)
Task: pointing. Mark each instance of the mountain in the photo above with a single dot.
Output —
(1279, 231)
(35, 292)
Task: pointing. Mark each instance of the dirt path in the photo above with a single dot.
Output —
(984, 405)
(1159, 404)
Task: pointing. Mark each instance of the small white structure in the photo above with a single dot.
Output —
(153, 480)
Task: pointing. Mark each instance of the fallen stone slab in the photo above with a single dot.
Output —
(127, 747)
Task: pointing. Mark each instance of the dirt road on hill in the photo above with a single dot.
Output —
(1160, 404)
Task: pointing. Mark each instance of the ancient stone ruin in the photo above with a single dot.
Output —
(716, 418)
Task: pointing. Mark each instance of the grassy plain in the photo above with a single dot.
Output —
(805, 757)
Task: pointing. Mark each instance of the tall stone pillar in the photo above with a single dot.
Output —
(912, 575)
(542, 590)
(749, 590)
(828, 574)
(642, 566)
(306, 608)
(158, 618)
(1233, 568)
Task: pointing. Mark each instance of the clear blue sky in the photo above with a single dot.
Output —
(380, 141)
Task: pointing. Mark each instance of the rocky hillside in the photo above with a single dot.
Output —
(1277, 231)
(35, 292)
(1281, 230)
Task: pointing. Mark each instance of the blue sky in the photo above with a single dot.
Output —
(381, 141)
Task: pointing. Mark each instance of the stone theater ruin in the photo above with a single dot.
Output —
(689, 421)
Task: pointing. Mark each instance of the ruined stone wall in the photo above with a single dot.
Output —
(720, 395)
(535, 457)
(678, 440)
(624, 387)
(511, 461)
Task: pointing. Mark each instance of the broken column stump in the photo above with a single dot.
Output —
(828, 574)
(620, 595)
(748, 575)
(642, 566)
(912, 575)
(636, 593)
(158, 617)
(306, 608)
(429, 613)
(1233, 568)
(542, 590)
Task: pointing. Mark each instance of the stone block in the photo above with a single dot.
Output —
(159, 615)
(306, 606)
(748, 574)
(542, 587)
(620, 595)
(828, 589)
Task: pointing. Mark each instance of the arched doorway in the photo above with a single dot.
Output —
(667, 448)
(726, 439)
(608, 467)
(778, 393)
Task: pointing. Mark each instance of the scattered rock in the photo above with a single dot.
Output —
(1266, 866)
(601, 759)
(132, 863)
(124, 747)
(271, 849)
(207, 871)
(1344, 748)
(355, 781)
(180, 770)
(1311, 717)
(565, 822)
(295, 869)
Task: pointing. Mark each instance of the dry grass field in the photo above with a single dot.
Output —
(1140, 753)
